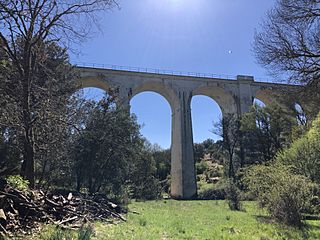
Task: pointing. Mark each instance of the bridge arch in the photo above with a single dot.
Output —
(162, 89)
(265, 96)
(223, 98)
(94, 82)
(205, 112)
(154, 113)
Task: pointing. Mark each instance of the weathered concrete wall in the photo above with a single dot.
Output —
(233, 97)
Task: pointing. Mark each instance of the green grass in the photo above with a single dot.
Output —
(169, 219)
(200, 220)
(203, 185)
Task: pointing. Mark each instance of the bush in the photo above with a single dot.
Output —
(216, 171)
(284, 194)
(149, 189)
(233, 197)
(17, 182)
(304, 154)
(212, 194)
(201, 167)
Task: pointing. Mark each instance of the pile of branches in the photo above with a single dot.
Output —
(25, 212)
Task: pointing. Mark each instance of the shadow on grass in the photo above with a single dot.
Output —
(264, 219)
(307, 231)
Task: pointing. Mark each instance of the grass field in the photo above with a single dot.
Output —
(200, 220)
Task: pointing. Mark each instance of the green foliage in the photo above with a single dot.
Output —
(149, 189)
(143, 176)
(106, 149)
(229, 129)
(201, 167)
(34, 121)
(265, 131)
(10, 157)
(284, 194)
(304, 154)
(207, 147)
(162, 160)
(17, 182)
(218, 193)
(233, 196)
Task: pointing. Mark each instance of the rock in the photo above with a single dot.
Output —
(213, 180)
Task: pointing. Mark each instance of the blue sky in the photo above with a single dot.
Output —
(210, 36)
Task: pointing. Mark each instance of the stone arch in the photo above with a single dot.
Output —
(259, 102)
(154, 113)
(94, 82)
(266, 96)
(223, 98)
(100, 82)
(204, 112)
(90, 93)
(300, 113)
(163, 89)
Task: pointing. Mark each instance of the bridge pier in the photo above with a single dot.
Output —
(183, 175)
(245, 97)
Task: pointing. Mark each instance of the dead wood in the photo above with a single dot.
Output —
(25, 212)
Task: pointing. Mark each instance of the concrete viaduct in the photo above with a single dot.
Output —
(233, 96)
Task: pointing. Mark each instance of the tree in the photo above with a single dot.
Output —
(304, 154)
(288, 46)
(145, 183)
(265, 131)
(27, 29)
(290, 40)
(9, 152)
(208, 146)
(106, 149)
(229, 129)
(162, 159)
(49, 107)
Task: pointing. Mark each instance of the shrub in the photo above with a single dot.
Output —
(304, 154)
(216, 171)
(212, 194)
(17, 182)
(201, 167)
(284, 194)
(149, 189)
(233, 197)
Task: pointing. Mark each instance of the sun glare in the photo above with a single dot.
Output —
(175, 2)
(176, 5)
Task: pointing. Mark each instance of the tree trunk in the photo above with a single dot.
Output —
(231, 171)
(27, 170)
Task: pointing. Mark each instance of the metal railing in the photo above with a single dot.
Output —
(163, 71)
